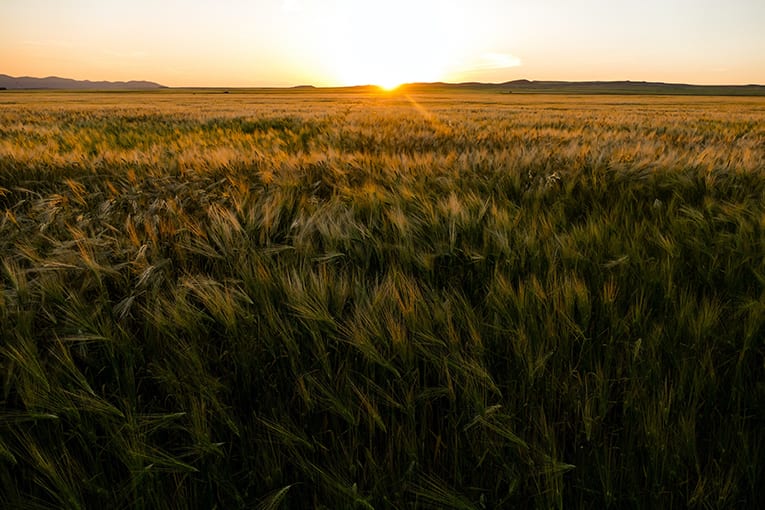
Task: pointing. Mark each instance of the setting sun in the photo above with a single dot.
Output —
(389, 86)
(399, 43)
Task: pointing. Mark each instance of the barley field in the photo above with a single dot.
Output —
(309, 299)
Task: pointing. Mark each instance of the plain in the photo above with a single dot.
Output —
(368, 300)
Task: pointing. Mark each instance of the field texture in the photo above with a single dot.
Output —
(310, 300)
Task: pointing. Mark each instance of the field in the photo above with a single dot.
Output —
(315, 300)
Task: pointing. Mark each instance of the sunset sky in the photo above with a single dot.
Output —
(346, 42)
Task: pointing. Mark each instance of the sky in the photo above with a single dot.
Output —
(239, 43)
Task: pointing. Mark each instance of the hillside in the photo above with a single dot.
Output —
(592, 87)
(54, 82)
(515, 86)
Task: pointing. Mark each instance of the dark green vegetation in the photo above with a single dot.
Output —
(296, 301)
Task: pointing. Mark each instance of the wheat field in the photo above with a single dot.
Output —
(308, 299)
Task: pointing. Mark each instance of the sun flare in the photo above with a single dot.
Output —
(389, 63)
(407, 43)
(389, 85)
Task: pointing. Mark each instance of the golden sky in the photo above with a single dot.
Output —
(349, 42)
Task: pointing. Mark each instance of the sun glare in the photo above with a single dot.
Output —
(389, 86)
(388, 64)
(399, 43)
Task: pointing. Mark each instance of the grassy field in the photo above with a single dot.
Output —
(313, 300)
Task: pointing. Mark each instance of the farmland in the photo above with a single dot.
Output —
(366, 300)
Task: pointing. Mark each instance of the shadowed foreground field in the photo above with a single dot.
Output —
(379, 301)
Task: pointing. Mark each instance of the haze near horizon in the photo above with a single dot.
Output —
(344, 42)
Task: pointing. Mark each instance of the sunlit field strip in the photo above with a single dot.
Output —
(379, 300)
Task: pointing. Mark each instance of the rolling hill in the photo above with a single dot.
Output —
(55, 82)
(592, 87)
(515, 86)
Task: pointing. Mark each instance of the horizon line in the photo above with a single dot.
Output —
(359, 85)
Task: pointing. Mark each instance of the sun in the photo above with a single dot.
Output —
(388, 64)
(401, 42)
(389, 85)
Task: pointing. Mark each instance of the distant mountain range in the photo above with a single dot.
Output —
(54, 82)
(516, 86)
(592, 87)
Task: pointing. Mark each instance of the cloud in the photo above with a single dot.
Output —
(485, 66)
(498, 61)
